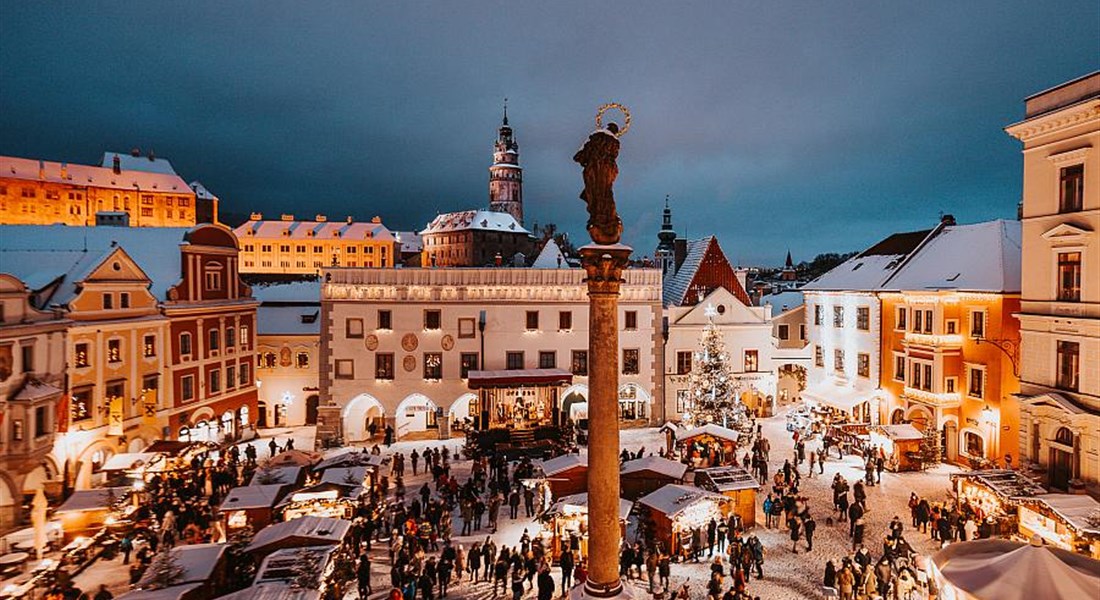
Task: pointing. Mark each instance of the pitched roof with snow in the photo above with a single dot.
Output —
(311, 531)
(465, 220)
(198, 562)
(411, 242)
(41, 254)
(274, 590)
(550, 257)
(201, 192)
(129, 162)
(324, 230)
(655, 464)
(783, 301)
(297, 292)
(674, 498)
(563, 463)
(92, 176)
(252, 496)
(981, 257)
(872, 267)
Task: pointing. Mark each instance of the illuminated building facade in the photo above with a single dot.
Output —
(949, 334)
(32, 364)
(1060, 304)
(158, 340)
(397, 345)
(288, 352)
(289, 246)
(40, 192)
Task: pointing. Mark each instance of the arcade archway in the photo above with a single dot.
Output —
(363, 411)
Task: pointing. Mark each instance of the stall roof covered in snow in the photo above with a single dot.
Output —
(350, 457)
(198, 562)
(129, 460)
(725, 479)
(40, 255)
(674, 498)
(252, 496)
(485, 220)
(563, 463)
(1005, 483)
(93, 499)
(349, 476)
(307, 531)
(174, 592)
(1077, 509)
(273, 475)
(710, 429)
(1008, 570)
(982, 257)
(655, 464)
(578, 503)
(905, 431)
(286, 564)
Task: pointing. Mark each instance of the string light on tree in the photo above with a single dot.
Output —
(711, 387)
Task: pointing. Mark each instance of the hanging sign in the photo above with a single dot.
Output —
(114, 419)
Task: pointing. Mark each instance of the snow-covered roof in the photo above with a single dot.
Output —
(93, 499)
(904, 431)
(656, 464)
(676, 285)
(198, 562)
(252, 496)
(295, 458)
(315, 531)
(783, 301)
(288, 320)
(710, 429)
(674, 498)
(486, 220)
(550, 257)
(981, 257)
(303, 230)
(285, 564)
(277, 474)
(86, 175)
(1077, 509)
(563, 463)
(350, 457)
(41, 254)
(349, 476)
(129, 162)
(578, 503)
(275, 590)
(411, 242)
(128, 460)
(201, 192)
(726, 479)
(718, 273)
(288, 291)
(36, 390)
(870, 269)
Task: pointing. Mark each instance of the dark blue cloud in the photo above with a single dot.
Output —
(818, 126)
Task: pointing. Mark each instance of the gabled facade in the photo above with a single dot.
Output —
(1060, 301)
(700, 268)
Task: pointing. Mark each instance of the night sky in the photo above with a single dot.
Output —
(819, 126)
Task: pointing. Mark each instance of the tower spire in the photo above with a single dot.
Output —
(505, 110)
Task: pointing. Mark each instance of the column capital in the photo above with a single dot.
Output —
(603, 266)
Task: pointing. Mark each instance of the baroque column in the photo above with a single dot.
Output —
(603, 267)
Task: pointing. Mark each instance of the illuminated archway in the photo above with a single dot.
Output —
(358, 414)
(634, 403)
(416, 413)
(460, 408)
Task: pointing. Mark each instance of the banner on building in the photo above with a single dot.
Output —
(149, 407)
(114, 423)
(63, 414)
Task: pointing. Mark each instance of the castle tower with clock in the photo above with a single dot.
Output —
(505, 174)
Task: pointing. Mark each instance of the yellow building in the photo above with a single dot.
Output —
(39, 192)
(288, 246)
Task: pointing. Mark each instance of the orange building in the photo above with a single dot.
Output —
(950, 341)
(127, 192)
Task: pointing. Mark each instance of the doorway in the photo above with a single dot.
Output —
(261, 418)
(1061, 459)
(950, 441)
(311, 409)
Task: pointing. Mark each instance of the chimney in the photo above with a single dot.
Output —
(41, 169)
(948, 220)
(135, 152)
(320, 218)
(117, 165)
(349, 220)
(64, 170)
(152, 156)
(286, 217)
(679, 252)
(1020, 210)
(256, 216)
(742, 277)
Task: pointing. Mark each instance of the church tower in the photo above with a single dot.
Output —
(666, 247)
(505, 174)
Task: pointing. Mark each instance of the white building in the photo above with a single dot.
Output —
(843, 322)
(1060, 299)
(288, 350)
(397, 346)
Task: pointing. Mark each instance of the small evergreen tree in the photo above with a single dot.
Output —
(164, 571)
(710, 383)
(930, 448)
(241, 565)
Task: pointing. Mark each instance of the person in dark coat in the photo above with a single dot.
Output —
(363, 575)
(545, 585)
(808, 528)
(796, 529)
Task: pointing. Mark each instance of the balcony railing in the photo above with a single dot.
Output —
(952, 340)
(945, 399)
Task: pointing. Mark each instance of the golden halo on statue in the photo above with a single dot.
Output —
(614, 105)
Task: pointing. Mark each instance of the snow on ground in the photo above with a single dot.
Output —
(787, 575)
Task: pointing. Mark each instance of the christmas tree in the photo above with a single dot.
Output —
(164, 571)
(710, 384)
(929, 448)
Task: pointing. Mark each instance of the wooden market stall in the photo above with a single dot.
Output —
(676, 510)
(709, 445)
(566, 474)
(1063, 520)
(251, 505)
(900, 443)
(644, 475)
(201, 565)
(291, 475)
(326, 499)
(736, 483)
(185, 591)
(996, 494)
(85, 512)
(295, 458)
(567, 521)
(298, 533)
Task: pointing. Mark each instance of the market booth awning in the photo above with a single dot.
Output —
(273, 591)
(252, 497)
(1007, 570)
(710, 429)
(675, 499)
(131, 460)
(837, 395)
(578, 504)
(509, 378)
(300, 532)
(295, 458)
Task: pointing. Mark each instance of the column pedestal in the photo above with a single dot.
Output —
(603, 267)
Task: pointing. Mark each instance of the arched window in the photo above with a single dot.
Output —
(975, 445)
(1064, 436)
